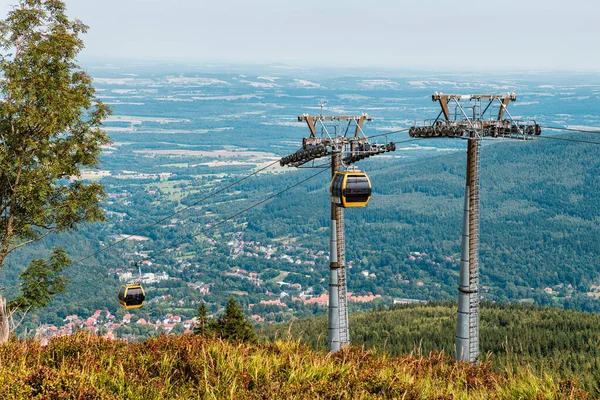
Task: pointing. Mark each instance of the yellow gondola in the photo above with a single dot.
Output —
(350, 189)
(132, 296)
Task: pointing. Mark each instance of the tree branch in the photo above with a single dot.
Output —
(29, 241)
(11, 218)
(18, 48)
(12, 312)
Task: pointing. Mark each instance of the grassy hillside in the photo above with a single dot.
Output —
(183, 367)
(552, 341)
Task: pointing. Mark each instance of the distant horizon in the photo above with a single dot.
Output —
(159, 62)
(537, 35)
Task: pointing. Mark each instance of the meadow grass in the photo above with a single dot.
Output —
(85, 366)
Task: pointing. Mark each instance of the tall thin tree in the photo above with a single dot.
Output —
(233, 325)
(202, 321)
(49, 133)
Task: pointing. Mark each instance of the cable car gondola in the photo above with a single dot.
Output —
(350, 189)
(132, 295)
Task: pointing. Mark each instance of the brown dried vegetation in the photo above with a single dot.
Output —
(83, 366)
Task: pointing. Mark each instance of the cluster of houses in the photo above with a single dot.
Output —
(323, 299)
(142, 175)
(420, 256)
(203, 288)
(121, 198)
(127, 274)
(121, 194)
(566, 290)
(102, 322)
(239, 247)
(242, 273)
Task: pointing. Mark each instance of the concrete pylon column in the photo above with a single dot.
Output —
(462, 317)
(341, 277)
(467, 323)
(333, 325)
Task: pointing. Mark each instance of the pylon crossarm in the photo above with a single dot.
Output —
(354, 148)
(325, 132)
(313, 120)
(469, 120)
(482, 123)
(304, 156)
(367, 151)
(512, 120)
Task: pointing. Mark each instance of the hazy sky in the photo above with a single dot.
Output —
(436, 34)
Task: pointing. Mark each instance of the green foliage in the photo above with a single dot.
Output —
(49, 126)
(562, 343)
(41, 281)
(233, 325)
(86, 366)
(201, 327)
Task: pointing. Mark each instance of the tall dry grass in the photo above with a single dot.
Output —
(84, 366)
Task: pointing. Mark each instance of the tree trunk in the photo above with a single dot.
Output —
(4, 327)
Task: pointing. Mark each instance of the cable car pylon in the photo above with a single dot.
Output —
(484, 116)
(332, 136)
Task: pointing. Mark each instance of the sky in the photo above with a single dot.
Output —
(432, 34)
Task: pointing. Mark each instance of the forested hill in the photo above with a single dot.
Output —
(540, 223)
(561, 343)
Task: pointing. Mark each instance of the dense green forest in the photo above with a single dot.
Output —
(560, 343)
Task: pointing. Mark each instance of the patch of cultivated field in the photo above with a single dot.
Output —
(136, 120)
(207, 153)
(281, 277)
(226, 163)
(135, 238)
(94, 174)
(176, 190)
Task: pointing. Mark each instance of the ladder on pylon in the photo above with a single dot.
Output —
(343, 309)
(474, 252)
(342, 287)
